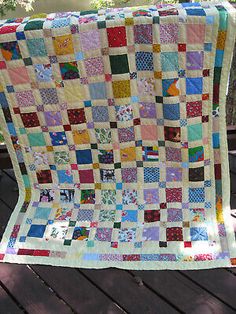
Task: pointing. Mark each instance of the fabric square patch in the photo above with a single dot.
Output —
(126, 134)
(61, 158)
(174, 195)
(143, 34)
(194, 109)
(172, 134)
(36, 231)
(195, 132)
(87, 196)
(128, 154)
(197, 214)
(107, 215)
(129, 215)
(174, 214)
(98, 90)
(63, 45)
(169, 61)
(30, 120)
(124, 113)
(144, 61)
(127, 235)
(174, 234)
(121, 89)
(116, 36)
(10, 50)
(94, 66)
(43, 72)
(81, 136)
(53, 118)
(195, 33)
(147, 110)
(196, 154)
(196, 174)
(151, 196)
(103, 135)
(173, 174)
(47, 195)
(100, 114)
(198, 234)
(151, 175)
(129, 175)
(119, 64)
(86, 176)
(84, 156)
(63, 214)
(18, 75)
(85, 215)
(194, 60)
(49, 96)
(90, 40)
(64, 176)
(171, 112)
(25, 98)
(151, 215)
(149, 132)
(44, 176)
(76, 116)
(105, 156)
(80, 233)
(107, 175)
(196, 195)
(69, 70)
(36, 139)
(129, 197)
(146, 86)
(36, 47)
(58, 138)
(150, 234)
(42, 213)
(67, 196)
(150, 153)
(169, 33)
(108, 197)
(103, 234)
(170, 87)
(194, 85)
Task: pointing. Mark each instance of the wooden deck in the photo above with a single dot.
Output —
(46, 289)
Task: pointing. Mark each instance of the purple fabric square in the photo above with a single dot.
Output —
(126, 134)
(147, 110)
(173, 174)
(194, 60)
(174, 214)
(151, 196)
(53, 118)
(151, 234)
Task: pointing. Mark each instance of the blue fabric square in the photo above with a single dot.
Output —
(171, 112)
(3, 101)
(151, 175)
(84, 156)
(20, 35)
(210, 19)
(79, 56)
(216, 140)
(87, 103)
(207, 46)
(198, 234)
(42, 213)
(169, 61)
(219, 58)
(129, 215)
(119, 186)
(11, 128)
(64, 176)
(98, 90)
(196, 12)
(36, 231)
(119, 206)
(144, 61)
(60, 22)
(36, 47)
(58, 138)
(194, 85)
(10, 89)
(196, 195)
(134, 99)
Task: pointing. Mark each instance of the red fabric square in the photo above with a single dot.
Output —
(67, 127)
(116, 36)
(174, 234)
(194, 109)
(181, 47)
(187, 244)
(76, 116)
(3, 65)
(206, 72)
(136, 121)
(44, 176)
(151, 215)
(217, 172)
(74, 167)
(30, 119)
(16, 110)
(174, 195)
(86, 176)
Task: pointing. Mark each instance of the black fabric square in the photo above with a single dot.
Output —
(196, 174)
(119, 64)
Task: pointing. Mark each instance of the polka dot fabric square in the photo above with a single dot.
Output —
(114, 122)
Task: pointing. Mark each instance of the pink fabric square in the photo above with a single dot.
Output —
(25, 98)
(94, 66)
(86, 176)
(174, 195)
(90, 40)
(149, 132)
(169, 33)
(195, 33)
(18, 75)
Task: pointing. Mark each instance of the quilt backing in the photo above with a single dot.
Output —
(115, 123)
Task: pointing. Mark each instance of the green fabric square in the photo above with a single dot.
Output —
(72, 223)
(33, 25)
(67, 242)
(101, 24)
(156, 19)
(27, 61)
(36, 47)
(217, 74)
(90, 243)
(36, 139)
(195, 132)
(119, 64)
(169, 61)
(22, 130)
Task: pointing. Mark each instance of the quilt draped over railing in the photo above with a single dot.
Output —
(115, 124)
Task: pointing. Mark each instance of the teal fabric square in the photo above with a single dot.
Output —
(169, 61)
(195, 132)
(42, 213)
(36, 47)
(36, 139)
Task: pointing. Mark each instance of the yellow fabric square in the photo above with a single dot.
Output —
(128, 154)
(27, 194)
(156, 48)
(121, 89)
(96, 166)
(49, 148)
(74, 92)
(63, 45)
(81, 136)
(98, 186)
(221, 40)
(129, 21)
(158, 75)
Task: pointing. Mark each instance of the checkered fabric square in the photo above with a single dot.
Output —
(114, 120)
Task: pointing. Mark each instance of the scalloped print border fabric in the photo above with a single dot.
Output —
(115, 123)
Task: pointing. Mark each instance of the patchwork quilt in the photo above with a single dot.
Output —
(115, 123)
